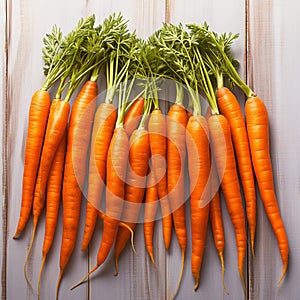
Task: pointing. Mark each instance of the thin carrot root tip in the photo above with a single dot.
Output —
(152, 260)
(116, 266)
(282, 275)
(58, 283)
(40, 276)
(27, 257)
(223, 273)
(243, 281)
(132, 236)
(84, 279)
(196, 285)
(180, 277)
(252, 249)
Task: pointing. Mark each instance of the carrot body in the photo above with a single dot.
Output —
(231, 109)
(225, 161)
(158, 146)
(150, 213)
(79, 132)
(56, 127)
(115, 190)
(176, 152)
(258, 133)
(133, 116)
(139, 154)
(197, 143)
(104, 123)
(38, 115)
(53, 196)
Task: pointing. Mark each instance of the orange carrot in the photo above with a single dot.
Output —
(75, 166)
(38, 115)
(231, 109)
(116, 169)
(158, 146)
(199, 168)
(150, 212)
(104, 123)
(226, 166)
(53, 196)
(56, 126)
(258, 133)
(176, 152)
(139, 154)
(133, 116)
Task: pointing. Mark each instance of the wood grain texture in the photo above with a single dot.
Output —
(210, 279)
(28, 22)
(273, 63)
(3, 215)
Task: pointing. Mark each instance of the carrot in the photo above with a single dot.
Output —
(56, 125)
(231, 109)
(104, 123)
(176, 152)
(258, 133)
(53, 196)
(199, 169)
(115, 192)
(158, 146)
(133, 116)
(75, 166)
(139, 154)
(38, 115)
(219, 130)
(150, 212)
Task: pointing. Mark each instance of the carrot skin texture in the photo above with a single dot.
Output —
(104, 123)
(197, 142)
(38, 115)
(133, 116)
(139, 154)
(226, 166)
(56, 126)
(258, 132)
(78, 138)
(158, 146)
(231, 109)
(115, 190)
(176, 153)
(151, 204)
(53, 194)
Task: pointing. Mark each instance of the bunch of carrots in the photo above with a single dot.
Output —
(136, 155)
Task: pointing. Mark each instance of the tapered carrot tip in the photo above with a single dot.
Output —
(116, 266)
(196, 285)
(223, 272)
(180, 277)
(85, 278)
(152, 259)
(252, 248)
(243, 281)
(58, 282)
(16, 235)
(283, 274)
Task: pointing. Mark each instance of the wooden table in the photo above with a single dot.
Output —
(268, 49)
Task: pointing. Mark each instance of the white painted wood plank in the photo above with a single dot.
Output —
(210, 280)
(29, 21)
(273, 65)
(2, 128)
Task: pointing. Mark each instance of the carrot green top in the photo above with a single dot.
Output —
(217, 48)
(60, 52)
(175, 46)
